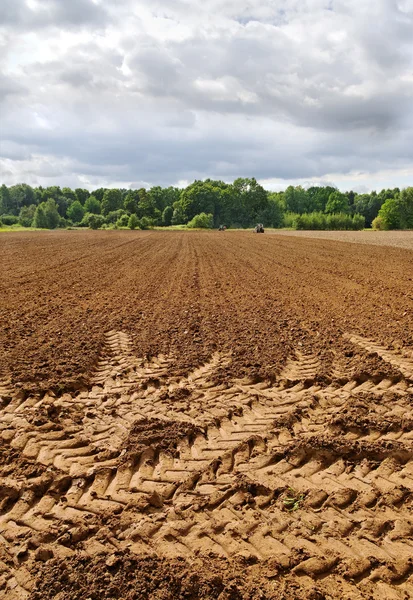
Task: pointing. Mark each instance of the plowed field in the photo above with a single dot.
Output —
(205, 415)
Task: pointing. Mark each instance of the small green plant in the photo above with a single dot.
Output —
(293, 500)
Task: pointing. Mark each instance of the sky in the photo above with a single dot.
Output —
(135, 93)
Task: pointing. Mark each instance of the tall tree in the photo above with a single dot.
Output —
(112, 200)
(318, 197)
(99, 193)
(390, 214)
(52, 192)
(82, 195)
(200, 196)
(406, 208)
(69, 195)
(5, 200)
(76, 212)
(337, 203)
(296, 199)
(130, 203)
(51, 213)
(93, 206)
(40, 220)
(253, 196)
(21, 195)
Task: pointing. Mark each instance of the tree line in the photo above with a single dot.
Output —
(208, 203)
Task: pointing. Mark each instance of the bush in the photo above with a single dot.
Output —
(203, 221)
(290, 220)
(63, 223)
(26, 215)
(123, 221)
(359, 222)
(85, 221)
(114, 216)
(378, 224)
(312, 221)
(96, 221)
(320, 221)
(9, 219)
(133, 222)
(146, 223)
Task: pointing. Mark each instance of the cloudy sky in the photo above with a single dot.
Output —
(144, 92)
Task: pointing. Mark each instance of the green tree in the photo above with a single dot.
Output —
(337, 203)
(26, 215)
(167, 216)
(75, 212)
(40, 220)
(38, 195)
(52, 192)
(318, 197)
(21, 195)
(147, 205)
(198, 197)
(178, 216)
(99, 193)
(82, 195)
(69, 195)
(130, 203)
(62, 203)
(112, 200)
(405, 203)
(369, 205)
(51, 214)
(163, 197)
(93, 206)
(296, 199)
(390, 214)
(5, 200)
(252, 199)
(273, 215)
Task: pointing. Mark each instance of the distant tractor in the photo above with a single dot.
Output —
(222, 228)
(259, 228)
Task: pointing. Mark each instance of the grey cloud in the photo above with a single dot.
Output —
(292, 89)
(58, 13)
(9, 86)
(11, 12)
(86, 66)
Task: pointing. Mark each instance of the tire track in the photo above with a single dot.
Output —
(226, 490)
(403, 363)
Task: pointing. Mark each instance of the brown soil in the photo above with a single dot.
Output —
(160, 434)
(191, 415)
(397, 239)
